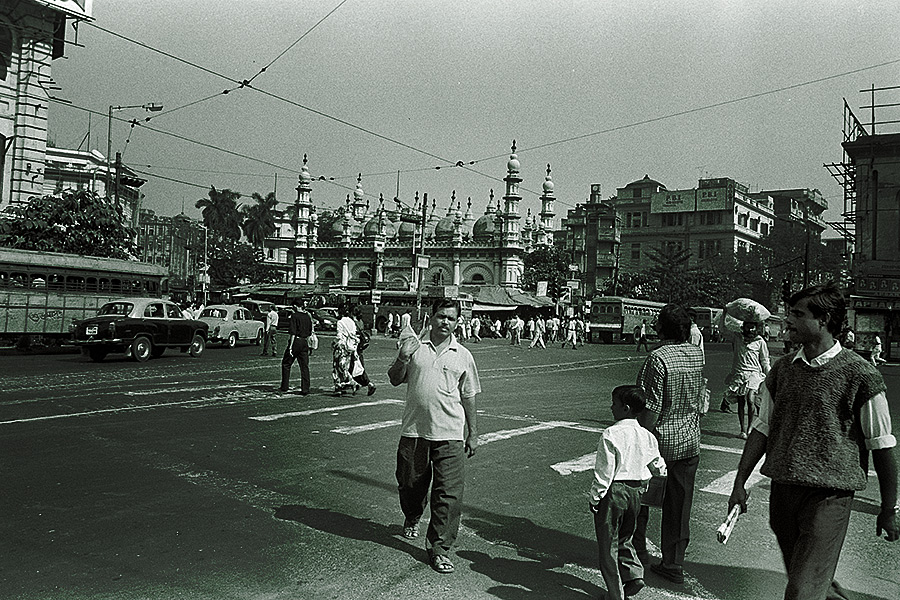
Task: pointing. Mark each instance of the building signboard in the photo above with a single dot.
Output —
(670, 201)
(715, 199)
(888, 287)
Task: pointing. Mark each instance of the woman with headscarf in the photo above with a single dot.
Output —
(749, 369)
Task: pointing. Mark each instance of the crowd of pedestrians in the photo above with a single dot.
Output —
(816, 415)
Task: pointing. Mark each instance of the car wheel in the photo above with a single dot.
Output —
(97, 354)
(157, 351)
(231, 342)
(198, 345)
(259, 336)
(141, 348)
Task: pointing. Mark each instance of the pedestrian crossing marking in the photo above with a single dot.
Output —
(576, 465)
(724, 484)
(495, 436)
(313, 411)
(369, 427)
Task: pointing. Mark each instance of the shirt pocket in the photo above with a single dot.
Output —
(448, 380)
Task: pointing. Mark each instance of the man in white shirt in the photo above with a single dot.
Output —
(271, 328)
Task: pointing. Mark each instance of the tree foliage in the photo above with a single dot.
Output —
(326, 220)
(259, 219)
(233, 263)
(547, 263)
(221, 214)
(74, 221)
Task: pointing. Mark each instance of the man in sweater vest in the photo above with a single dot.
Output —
(822, 409)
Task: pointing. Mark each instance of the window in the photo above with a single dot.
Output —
(173, 312)
(636, 219)
(635, 252)
(710, 248)
(754, 224)
(673, 219)
(764, 228)
(154, 311)
(743, 247)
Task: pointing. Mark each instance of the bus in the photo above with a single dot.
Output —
(707, 318)
(42, 294)
(613, 318)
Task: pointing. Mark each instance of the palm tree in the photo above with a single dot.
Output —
(259, 219)
(221, 213)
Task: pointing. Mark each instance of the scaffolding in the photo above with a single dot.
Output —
(845, 172)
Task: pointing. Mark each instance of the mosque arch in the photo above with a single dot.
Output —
(478, 274)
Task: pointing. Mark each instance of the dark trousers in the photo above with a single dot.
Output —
(810, 525)
(615, 522)
(269, 337)
(442, 465)
(299, 350)
(675, 530)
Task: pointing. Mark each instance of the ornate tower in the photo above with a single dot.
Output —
(545, 237)
(512, 264)
(303, 237)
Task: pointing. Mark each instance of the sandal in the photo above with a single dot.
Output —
(441, 563)
(411, 529)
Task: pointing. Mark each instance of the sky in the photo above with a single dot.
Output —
(603, 91)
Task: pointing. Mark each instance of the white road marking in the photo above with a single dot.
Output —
(495, 436)
(102, 411)
(576, 465)
(364, 428)
(304, 413)
(722, 485)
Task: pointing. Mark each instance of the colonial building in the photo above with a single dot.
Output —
(382, 245)
(719, 216)
(32, 34)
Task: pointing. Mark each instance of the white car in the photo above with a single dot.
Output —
(230, 324)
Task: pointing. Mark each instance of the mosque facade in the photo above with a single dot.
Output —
(382, 247)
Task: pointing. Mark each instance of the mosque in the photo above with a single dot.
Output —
(385, 245)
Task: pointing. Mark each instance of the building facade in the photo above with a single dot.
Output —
(178, 244)
(719, 216)
(79, 170)
(32, 34)
(382, 246)
(591, 237)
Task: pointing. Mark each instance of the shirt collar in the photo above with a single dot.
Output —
(820, 359)
(425, 338)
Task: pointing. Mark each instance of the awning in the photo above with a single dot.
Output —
(476, 307)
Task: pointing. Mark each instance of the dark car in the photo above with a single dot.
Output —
(258, 308)
(141, 328)
(323, 319)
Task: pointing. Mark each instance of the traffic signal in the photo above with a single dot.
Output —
(786, 290)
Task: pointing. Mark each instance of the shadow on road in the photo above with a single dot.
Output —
(347, 526)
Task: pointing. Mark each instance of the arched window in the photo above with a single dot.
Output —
(438, 278)
(477, 278)
(5, 51)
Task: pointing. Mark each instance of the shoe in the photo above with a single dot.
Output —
(441, 563)
(371, 390)
(743, 435)
(281, 390)
(633, 587)
(673, 574)
(724, 407)
(411, 529)
(644, 557)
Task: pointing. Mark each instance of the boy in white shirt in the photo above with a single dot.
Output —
(627, 456)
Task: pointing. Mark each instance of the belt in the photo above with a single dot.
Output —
(635, 483)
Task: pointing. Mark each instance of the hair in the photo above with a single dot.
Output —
(631, 396)
(674, 323)
(750, 329)
(825, 301)
(446, 303)
(346, 310)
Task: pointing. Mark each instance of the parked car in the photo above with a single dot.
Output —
(141, 328)
(258, 308)
(230, 324)
(323, 320)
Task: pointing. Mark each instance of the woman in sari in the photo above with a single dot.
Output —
(343, 353)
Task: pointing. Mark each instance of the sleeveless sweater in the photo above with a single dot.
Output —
(814, 433)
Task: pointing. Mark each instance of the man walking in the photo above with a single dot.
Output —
(438, 430)
(822, 410)
(672, 379)
(300, 328)
(271, 327)
(537, 337)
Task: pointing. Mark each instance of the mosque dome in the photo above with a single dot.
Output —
(304, 172)
(484, 226)
(406, 230)
(445, 227)
(513, 165)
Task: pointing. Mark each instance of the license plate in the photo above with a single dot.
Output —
(91, 330)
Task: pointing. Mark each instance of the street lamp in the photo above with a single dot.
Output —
(150, 106)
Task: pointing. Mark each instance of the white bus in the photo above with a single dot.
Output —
(614, 318)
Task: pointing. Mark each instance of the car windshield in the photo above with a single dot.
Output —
(116, 308)
(214, 313)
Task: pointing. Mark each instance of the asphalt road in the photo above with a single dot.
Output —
(194, 478)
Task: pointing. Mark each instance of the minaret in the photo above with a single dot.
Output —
(547, 214)
(510, 240)
(302, 237)
(358, 208)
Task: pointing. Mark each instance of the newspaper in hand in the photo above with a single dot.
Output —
(725, 529)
